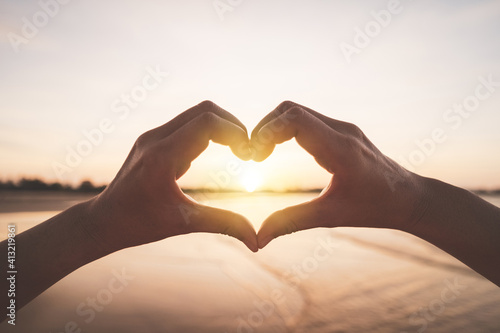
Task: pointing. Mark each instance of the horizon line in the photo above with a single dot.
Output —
(86, 185)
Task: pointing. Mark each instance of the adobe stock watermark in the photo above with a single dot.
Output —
(224, 6)
(453, 118)
(294, 277)
(31, 26)
(437, 306)
(122, 107)
(87, 311)
(221, 179)
(371, 30)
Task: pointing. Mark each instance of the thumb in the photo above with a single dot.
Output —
(289, 220)
(219, 221)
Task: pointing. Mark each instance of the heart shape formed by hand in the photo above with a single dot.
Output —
(361, 193)
(367, 189)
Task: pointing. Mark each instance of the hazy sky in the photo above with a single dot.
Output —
(66, 70)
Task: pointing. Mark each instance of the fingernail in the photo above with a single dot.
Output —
(263, 242)
(251, 244)
(246, 152)
(253, 151)
(253, 247)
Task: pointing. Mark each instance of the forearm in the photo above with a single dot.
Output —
(462, 224)
(50, 251)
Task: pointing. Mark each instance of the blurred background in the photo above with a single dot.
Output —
(81, 80)
(397, 71)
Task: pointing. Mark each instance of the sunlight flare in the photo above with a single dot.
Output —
(251, 180)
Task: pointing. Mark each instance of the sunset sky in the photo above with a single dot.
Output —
(398, 71)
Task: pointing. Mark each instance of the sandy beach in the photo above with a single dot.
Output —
(323, 280)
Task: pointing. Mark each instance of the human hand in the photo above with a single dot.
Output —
(144, 204)
(367, 188)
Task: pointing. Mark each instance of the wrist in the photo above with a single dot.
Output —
(423, 195)
(94, 227)
(433, 207)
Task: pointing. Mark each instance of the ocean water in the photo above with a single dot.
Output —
(321, 280)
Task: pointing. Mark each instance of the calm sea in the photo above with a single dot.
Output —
(322, 280)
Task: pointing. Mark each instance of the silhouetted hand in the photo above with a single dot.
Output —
(367, 188)
(144, 203)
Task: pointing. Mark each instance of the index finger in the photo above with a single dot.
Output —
(192, 113)
(193, 138)
(337, 125)
(324, 143)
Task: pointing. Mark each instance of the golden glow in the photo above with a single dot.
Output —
(251, 180)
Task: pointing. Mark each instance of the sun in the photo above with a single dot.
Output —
(251, 180)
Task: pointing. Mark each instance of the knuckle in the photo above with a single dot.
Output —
(287, 223)
(295, 113)
(285, 105)
(350, 145)
(207, 105)
(208, 118)
(354, 130)
(291, 227)
(227, 230)
(355, 152)
(144, 139)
